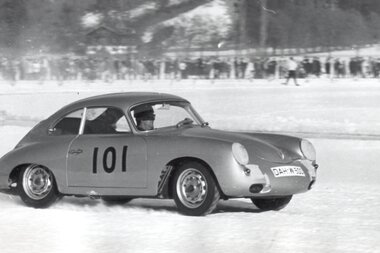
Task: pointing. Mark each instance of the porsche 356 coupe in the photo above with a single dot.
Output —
(152, 145)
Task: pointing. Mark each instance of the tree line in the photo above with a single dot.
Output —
(312, 23)
(57, 25)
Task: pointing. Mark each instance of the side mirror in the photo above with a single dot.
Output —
(51, 130)
(205, 124)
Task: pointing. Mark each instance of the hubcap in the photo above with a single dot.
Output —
(37, 182)
(192, 188)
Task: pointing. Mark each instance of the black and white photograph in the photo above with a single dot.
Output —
(145, 126)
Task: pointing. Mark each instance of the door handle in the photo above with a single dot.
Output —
(75, 151)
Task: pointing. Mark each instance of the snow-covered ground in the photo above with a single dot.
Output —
(341, 213)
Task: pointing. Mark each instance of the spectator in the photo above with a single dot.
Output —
(182, 66)
(316, 67)
(96, 67)
(328, 66)
(292, 71)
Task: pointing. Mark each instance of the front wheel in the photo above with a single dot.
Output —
(37, 187)
(274, 204)
(195, 191)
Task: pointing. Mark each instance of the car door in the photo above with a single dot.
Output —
(61, 134)
(104, 158)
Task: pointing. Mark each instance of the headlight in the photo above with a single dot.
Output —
(240, 153)
(308, 150)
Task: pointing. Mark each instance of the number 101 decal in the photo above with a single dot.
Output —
(109, 155)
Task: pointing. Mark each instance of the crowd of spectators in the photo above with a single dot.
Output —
(108, 69)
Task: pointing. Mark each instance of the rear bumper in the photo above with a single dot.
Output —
(4, 183)
(10, 191)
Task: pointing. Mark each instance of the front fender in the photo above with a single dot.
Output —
(216, 153)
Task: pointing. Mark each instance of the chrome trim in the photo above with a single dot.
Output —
(83, 121)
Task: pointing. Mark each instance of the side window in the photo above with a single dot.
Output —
(169, 115)
(69, 124)
(162, 115)
(105, 120)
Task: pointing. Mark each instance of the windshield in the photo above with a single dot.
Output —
(162, 115)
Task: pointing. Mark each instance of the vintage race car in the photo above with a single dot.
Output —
(129, 145)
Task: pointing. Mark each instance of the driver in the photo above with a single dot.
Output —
(144, 116)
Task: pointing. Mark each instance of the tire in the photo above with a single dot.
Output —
(37, 187)
(194, 190)
(272, 204)
(116, 200)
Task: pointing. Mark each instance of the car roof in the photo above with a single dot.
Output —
(122, 100)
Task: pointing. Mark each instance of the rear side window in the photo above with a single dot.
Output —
(69, 124)
(105, 120)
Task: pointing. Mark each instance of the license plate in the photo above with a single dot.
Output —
(288, 171)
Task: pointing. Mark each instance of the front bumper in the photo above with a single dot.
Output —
(270, 179)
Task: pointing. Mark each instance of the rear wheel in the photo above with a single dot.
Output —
(195, 191)
(274, 204)
(37, 187)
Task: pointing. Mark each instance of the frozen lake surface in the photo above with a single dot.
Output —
(319, 106)
(341, 213)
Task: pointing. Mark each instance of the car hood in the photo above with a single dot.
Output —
(269, 147)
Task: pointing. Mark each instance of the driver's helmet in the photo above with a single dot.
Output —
(144, 112)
